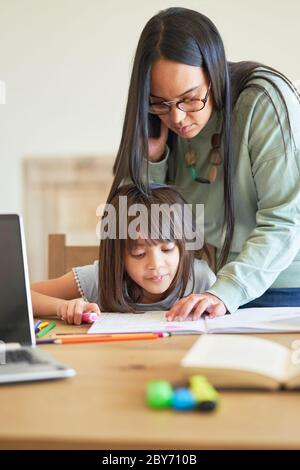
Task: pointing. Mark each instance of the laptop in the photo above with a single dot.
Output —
(20, 359)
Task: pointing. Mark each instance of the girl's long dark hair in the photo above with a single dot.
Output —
(118, 292)
(187, 37)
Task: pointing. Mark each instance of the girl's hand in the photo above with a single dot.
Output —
(156, 147)
(196, 304)
(71, 310)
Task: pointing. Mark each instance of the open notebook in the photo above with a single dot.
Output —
(251, 320)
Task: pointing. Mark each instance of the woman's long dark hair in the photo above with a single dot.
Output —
(187, 37)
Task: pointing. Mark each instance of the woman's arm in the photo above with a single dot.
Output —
(274, 241)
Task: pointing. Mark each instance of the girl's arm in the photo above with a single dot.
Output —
(47, 296)
(44, 305)
(63, 287)
(60, 297)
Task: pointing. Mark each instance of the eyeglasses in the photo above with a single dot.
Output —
(215, 160)
(188, 105)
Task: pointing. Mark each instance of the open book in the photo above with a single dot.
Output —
(230, 361)
(251, 320)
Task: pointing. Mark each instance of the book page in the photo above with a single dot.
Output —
(256, 320)
(293, 375)
(251, 320)
(239, 353)
(152, 321)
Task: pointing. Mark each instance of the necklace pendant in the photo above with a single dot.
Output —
(215, 157)
(193, 172)
(190, 157)
(212, 174)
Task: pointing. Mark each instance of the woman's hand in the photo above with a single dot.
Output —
(196, 305)
(71, 310)
(156, 146)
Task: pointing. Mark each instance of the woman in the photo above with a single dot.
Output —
(228, 136)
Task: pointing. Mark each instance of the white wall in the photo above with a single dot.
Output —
(66, 64)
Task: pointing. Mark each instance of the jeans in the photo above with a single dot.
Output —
(281, 297)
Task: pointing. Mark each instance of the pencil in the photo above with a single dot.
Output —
(102, 335)
(45, 341)
(103, 338)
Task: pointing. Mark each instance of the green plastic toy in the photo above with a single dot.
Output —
(159, 394)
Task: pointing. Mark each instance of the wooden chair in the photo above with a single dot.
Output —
(62, 258)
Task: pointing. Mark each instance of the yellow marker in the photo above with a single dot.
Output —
(204, 392)
(43, 325)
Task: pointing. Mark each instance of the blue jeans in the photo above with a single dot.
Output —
(281, 297)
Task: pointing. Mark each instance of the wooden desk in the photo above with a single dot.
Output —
(103, 407)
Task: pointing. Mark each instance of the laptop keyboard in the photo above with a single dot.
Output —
(22, 355)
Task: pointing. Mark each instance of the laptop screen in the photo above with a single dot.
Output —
(14, 314)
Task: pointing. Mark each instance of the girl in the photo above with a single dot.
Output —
(228, 136)
(134, 272)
